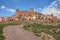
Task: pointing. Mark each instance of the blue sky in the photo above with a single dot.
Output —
(8, 7)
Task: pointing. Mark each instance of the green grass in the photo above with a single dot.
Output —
(1, 32)
(39, 28)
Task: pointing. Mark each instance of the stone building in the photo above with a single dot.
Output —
(28, 15)
(31, 15)
(50, 17)
(4, 19)
(40, 16)
(1, 19)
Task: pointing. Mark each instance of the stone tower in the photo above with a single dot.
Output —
(17, 13)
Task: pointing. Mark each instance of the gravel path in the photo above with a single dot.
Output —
(18, 33)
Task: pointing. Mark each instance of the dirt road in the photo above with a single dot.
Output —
(17, 33)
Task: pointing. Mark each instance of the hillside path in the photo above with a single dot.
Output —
(18, 33)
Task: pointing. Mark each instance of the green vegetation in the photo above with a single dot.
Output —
(48, 29)
(34, 26)
(1, 32)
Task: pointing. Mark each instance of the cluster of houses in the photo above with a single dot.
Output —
(28, 15)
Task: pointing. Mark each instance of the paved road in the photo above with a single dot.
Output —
(18, 33)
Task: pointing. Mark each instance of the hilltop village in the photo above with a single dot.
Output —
(28, 15)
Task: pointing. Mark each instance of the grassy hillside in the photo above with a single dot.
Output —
(37, 29)
(34, 26)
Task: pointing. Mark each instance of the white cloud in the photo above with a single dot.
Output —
(7, 9)
(52, 9)
(10, 10)
(37, 9)
(2, 7)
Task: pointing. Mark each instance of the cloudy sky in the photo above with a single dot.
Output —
(8, 7)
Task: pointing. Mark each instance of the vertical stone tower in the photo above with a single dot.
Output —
(17, 13)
